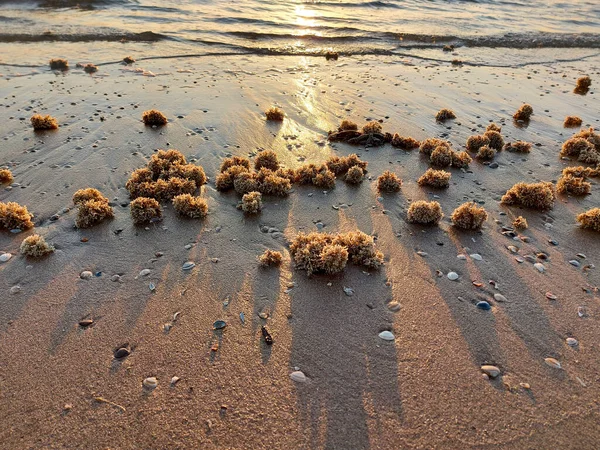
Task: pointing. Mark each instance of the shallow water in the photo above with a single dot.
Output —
(307, 27)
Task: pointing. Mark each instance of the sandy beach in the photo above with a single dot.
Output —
(423, 390)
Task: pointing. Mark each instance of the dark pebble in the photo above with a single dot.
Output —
(484, 305)
(267, 336)
(122, 353)
(493, 165)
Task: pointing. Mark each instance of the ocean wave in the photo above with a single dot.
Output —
(146, 36)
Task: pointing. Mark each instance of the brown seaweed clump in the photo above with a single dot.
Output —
(427, 213)
(329, 253)
(568, 184)
(167, 175)
(493, 127)
(580, 171)
(341, 165)
(533, 195)
(520, 223)
(441, 156)
(35, 246)
(324, 179)
(486, 153)
(591, 136)
(251, 202)
(524, 113)
(354, 175)
(572, 122)
(154, 117)
(461, 160)
(575, 146)
(332, 55)
(275, 114)
(348, 125)
(269, 183)
(590, 219)
(190, 206)
(90, 68)
(589, 156)
(429, 145)
(128, 60)
(435, 178)
(40, 122)
(270, 258)
(518, 147)
(474, 143)
(582, 85)
(445, 114)
(407, 143)
(92, 207)
(5, 176)
(267, 159)
(469, 216)
(388, 182)
(59, 64)
(495, 140)
(144, 210)
(14, 216)
(245, 182)
(234, 161)
(319, 176)
(372, 127)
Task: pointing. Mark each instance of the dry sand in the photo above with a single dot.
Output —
(425, 390)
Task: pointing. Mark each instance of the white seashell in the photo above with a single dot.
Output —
(492, 371)
(553, 363)
(144, 273)
(461, 256)
(150, 382)
(86, 275)
(5, 257)
(476, 257)
(387, 335)
(500, 298)
(298, 376)
(348, 291)
(572, 342)
(175, 380)
(189, 265)
(15, 289)
(420, 253)
(540, 267)
(452, 276)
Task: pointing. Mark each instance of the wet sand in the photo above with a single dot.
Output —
(424, 390)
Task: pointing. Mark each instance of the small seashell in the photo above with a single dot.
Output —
(513, 249)
(242, 318)
(298, 376)
(174, 381)
(551, 296)
(393, 305)
(500, 298)
(484, 305)
(167, 327)
(152, 287)
(492, 371)
(387, 335)
(121, 353)
(553, 363)
(150, 383)
(86, 275)
(219, 325)
(574, 263)
(453, 276)
(144, 273)
(525, 385)
(176, 315)
(580, 255)
(572, 342)
(348, 291)
(189, 265)
(5, 257)
(540, 267)
(85, 323)
(519, 259)
(461, 256)
(581, 311)
(420, 253)
(15, 289)
(477, 284)
(263, 315)
(476, 257)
